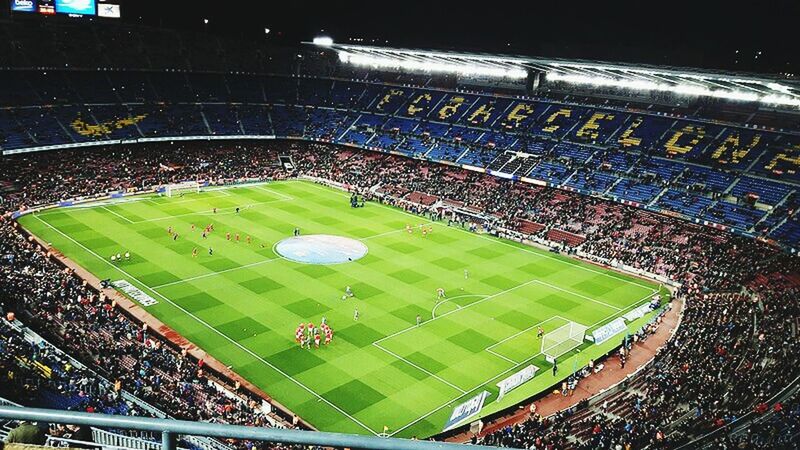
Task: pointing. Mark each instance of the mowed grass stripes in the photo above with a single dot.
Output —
(243, 304)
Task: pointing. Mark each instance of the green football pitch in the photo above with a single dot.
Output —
(243, 304)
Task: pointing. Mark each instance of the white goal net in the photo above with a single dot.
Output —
(562, 340)
(176, 189)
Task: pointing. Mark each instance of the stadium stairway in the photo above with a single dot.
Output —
(658, 196)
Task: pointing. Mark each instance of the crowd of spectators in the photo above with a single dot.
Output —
(32, 370)
(731, 352)
(780, 428)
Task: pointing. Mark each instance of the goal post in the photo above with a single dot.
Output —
(174, 189)
(562, 340)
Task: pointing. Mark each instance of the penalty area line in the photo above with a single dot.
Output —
(271, 191)
(516, 363)
(386, 233)
(576, 294)
(422, 369)
(206, 213)
(489, 297)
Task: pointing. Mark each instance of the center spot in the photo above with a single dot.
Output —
(321, 249)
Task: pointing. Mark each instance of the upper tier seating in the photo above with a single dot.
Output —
(604, 151)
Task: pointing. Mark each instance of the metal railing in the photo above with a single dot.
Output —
(171, 429)
(59, 442)
(109, 440)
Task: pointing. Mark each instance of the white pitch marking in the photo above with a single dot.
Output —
(118, 215)
(503, 357)
(552, 286)
(433, 312)
(456, 310)
(388, 232)
(258, 263)
(420, 368)
(525, 331)
(229, 210)
(280, 194)
(206, 275)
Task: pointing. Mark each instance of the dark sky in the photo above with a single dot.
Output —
(700, 33)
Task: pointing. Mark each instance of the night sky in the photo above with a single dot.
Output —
(699, 33)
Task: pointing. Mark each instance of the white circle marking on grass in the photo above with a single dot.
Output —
(321, 249)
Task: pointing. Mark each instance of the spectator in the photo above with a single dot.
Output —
(26, 433)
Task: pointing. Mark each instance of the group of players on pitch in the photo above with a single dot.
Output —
(426, 230)
(306, 334)
(210, 229)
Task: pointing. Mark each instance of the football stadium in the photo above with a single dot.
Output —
(286, 230)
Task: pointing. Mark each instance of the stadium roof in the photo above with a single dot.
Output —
(776, 90)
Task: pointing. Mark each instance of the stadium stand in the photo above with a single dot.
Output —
(562, 164)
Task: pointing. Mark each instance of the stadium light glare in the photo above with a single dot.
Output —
(430, 66)
(781, 100)
(324, 41)
(680, 89)
(779, 87)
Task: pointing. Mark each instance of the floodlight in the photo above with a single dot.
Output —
(324, 41)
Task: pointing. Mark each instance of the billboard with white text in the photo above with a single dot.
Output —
(466, 410)
(23, 5)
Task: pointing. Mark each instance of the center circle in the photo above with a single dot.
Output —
(321, 249)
